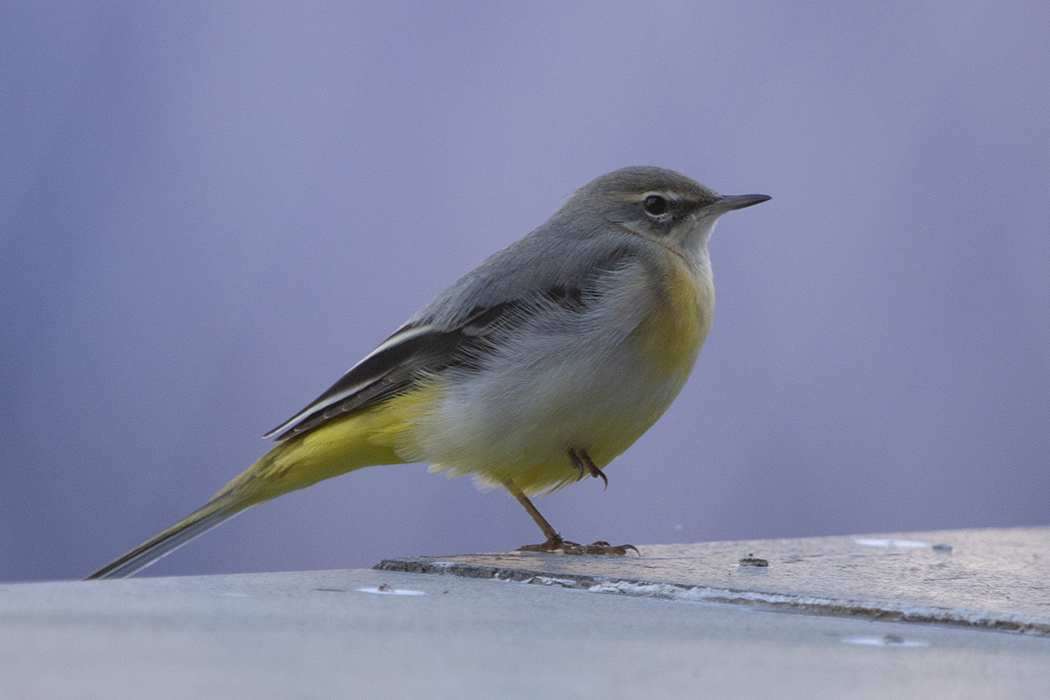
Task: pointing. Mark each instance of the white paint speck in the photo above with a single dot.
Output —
(900, 544)
(390, 591)
(889, 640)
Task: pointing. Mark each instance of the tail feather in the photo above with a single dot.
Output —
(347, 443)
(190, 527)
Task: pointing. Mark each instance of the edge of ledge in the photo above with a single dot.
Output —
(879, 609)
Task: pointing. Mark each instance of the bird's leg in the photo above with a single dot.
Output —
(581, 459)
(577, 464)
(555, 542)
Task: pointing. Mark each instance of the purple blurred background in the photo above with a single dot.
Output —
(209, 211)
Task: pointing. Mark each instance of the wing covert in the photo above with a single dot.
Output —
(438, 337)
(411, 353)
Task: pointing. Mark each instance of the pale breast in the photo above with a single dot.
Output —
(593, 388)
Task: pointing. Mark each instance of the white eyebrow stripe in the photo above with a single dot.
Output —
(670, 194)
(392, 341)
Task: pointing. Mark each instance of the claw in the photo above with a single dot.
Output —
(580, 459)
(602, 547)
(576, 463)
(554, 544)
(557, 544)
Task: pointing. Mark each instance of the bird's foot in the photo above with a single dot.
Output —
(563, 546)
(603, 547)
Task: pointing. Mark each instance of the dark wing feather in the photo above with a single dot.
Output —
(412, 352)
(423, 348)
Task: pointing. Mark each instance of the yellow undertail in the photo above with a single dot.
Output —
(370, 438)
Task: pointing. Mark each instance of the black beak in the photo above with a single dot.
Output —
(729, 202)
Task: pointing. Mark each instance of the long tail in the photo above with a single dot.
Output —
(196, 523)
(341, 446)
(255, 485)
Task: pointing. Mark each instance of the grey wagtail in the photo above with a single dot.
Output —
(534, 370)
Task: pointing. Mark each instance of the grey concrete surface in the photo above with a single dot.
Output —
(993, 578)
(388, 634)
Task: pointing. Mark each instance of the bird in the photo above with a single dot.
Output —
(531, 372)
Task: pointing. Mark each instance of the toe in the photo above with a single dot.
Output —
(602, 547)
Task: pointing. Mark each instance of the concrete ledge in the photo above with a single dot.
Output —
(991, 579)
(386, 634)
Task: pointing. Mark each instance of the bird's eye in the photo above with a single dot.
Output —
(655, 205)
